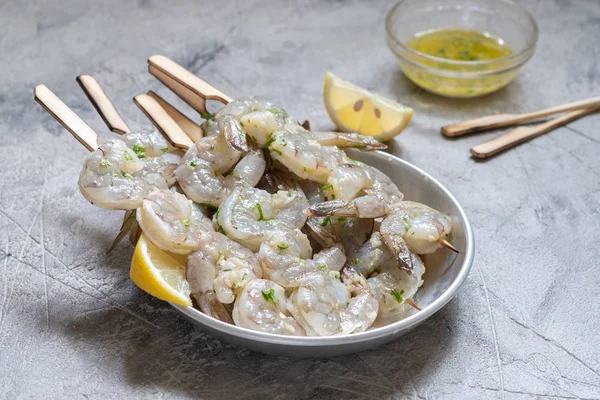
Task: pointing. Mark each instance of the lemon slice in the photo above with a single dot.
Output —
(159, 273)
(354, 109)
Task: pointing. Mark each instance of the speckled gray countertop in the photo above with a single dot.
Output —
(72, 325)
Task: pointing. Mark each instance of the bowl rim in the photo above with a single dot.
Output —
(525, 53)
(391, 329)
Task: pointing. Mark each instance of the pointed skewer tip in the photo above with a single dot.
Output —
(449, 245)
(413, 304)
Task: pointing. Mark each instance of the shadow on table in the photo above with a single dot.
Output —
(167, 354)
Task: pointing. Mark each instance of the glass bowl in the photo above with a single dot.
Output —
(500, 18)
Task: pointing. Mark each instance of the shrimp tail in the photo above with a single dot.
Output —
(326, 236)
(361, 207)
(234, 133)
(129, 222)
(398, 247)
(349, 140)
(209, 305)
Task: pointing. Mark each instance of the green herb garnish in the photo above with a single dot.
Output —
(283, 246)
(164, 149)
(139, 150)
(221, 230)
(327, 186)
(186, 222)
(261, 216)
(269, 294)
(342, 219)
(194, 163)
(127, 156)
(277, 151)
(397, 295)
(104, 164)
(206, 115)
(271, 140)
(356, 261)
(326, 220)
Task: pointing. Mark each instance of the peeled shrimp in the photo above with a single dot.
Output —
(358, 190)
(172, 222)
(262, 306)
(157, 155)
(220, 266)
(286, 258)
(113, 178)
(419, 225)
(248, 214)
(202, 171)
(324, 306)
(394, 282)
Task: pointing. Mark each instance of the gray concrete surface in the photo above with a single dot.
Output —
(525, 324)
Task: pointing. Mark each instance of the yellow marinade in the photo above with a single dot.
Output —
(460, 45)
(466, 46)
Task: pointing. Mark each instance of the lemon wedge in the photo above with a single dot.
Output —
(354, 109)
(159, 273)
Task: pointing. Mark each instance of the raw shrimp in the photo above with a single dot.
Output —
(286, 257)
(157, 155)
(112, 177)
(172, 222)
(248, 214)
(397, 278)
(419, 225)
(220, 267)
(357, 190)
(261, 119)
(262, 306)
(324, 306)
(202, 171)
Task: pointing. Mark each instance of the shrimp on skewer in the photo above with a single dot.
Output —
(357, 191)
(172, 222)
(262, 306)
(286, 257)
(217, 272)
(203, 171)
(325, 306)
(392, 279)
(248, 214)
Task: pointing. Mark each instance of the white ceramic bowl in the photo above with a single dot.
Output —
(446, 272)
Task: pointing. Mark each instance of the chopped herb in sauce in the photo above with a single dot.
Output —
(127, 156)
(194, 163)
(283, 246)
(186, 222)
(326, 220)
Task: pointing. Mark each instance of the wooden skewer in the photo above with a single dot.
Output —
(192, 129)
(413, 304)
(66, 117)
(102, 104)
(448, 245)
(500, 120)
(524, 133)
(163, 121)
(185, 84)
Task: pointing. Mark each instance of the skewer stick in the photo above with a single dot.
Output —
(413, 304)
(163, 121)
(185, 84)
(448, 245)
(524, 133)
(102, 104)
(500, 120)
(192, 129)
(66, 117)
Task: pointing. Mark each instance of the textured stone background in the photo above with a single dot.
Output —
(72, 325)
